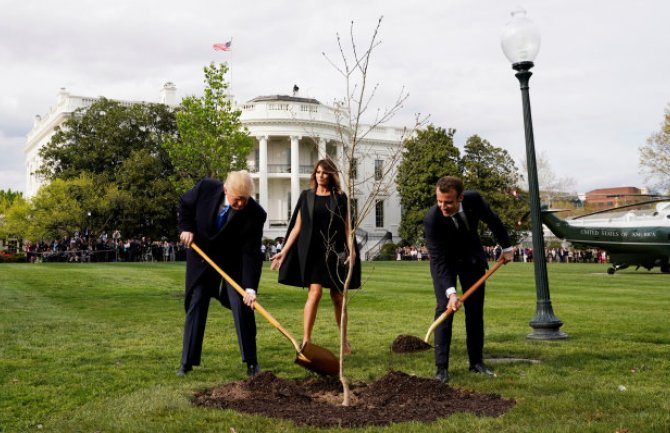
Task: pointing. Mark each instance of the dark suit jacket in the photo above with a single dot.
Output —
(293, 269)
(448, 250)
(236, 248)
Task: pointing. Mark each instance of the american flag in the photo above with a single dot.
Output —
(222, 46)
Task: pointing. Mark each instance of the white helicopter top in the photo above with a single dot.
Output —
(657, 216)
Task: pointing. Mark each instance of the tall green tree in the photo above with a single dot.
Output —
(212, 139)
(7, 197)
(61, 208)
(14, 210)
(492, 171)
(429, 155)
(655, 155)
(121, 147)
(146, 203)
(98, 139)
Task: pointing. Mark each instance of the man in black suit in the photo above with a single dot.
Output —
(227, 224)
(456, 251)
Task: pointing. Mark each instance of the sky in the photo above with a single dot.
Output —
(600, 85)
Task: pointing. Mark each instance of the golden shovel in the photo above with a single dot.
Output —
(314, 358)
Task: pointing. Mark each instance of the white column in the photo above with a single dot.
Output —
(295, 170)
(322, 148)
(263, 171)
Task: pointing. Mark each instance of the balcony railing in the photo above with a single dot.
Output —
(286, 168)
(279, 168)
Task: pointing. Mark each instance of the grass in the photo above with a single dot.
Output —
(93, 348)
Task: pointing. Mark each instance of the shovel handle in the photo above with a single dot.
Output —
(258, 307)
(465, 296)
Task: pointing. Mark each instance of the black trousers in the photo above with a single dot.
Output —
(196, 319)
(474, 318)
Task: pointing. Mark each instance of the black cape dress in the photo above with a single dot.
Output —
(319, 252)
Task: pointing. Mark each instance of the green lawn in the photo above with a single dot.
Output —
(94, 347)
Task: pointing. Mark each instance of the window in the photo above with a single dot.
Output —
(331, 151)
(379, 169)
(379, 214)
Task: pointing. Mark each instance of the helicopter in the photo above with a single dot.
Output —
(633, 235)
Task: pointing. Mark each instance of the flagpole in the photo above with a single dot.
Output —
(227, 48)
(230, 87)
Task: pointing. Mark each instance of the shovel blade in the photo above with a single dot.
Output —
(318, 359)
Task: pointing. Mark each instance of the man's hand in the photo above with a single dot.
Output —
(507, 256)
(249, 298)
(186, 238)
(454, 303)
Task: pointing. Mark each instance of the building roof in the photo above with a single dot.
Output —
(616, 190)
(285, 98)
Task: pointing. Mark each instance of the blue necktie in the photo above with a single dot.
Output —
(221, 217)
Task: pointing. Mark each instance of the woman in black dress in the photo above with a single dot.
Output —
(315, 252)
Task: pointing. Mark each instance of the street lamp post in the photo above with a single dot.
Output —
(521, 43)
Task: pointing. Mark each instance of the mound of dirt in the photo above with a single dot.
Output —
(409, 344)
(396, 397)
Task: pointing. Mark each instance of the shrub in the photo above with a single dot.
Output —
(6, 257)
(387, 251)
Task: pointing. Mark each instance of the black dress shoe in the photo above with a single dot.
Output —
(253, 370)
(442, 375)
(481, 368)
(184, 369)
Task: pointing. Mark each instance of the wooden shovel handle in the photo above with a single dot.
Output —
(465, 296)
(258, 307)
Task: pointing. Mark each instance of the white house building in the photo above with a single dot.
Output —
(291, 134)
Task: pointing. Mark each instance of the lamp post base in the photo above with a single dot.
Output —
(545, 324)
(547, 334)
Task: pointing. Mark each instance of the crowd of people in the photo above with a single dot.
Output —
(85, 249)
(103, 248)
(521, 254)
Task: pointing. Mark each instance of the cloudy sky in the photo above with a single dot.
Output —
(599, 89)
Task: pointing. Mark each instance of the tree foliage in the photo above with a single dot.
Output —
(13, 211)
(429, 155)
(7, 197)
(61, 208)
(146, 203)
(119, 148)
(655, 155)
(212, 138)
(492, 171)
(98, 139)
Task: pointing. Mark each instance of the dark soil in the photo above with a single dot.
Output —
(409, 344)
(317, 401)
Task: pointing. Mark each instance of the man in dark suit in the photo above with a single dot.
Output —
(456, 251)
(227, 224)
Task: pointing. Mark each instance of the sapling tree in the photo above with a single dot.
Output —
(356, 121)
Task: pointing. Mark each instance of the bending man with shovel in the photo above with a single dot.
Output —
(456, 252)
(227, 224)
